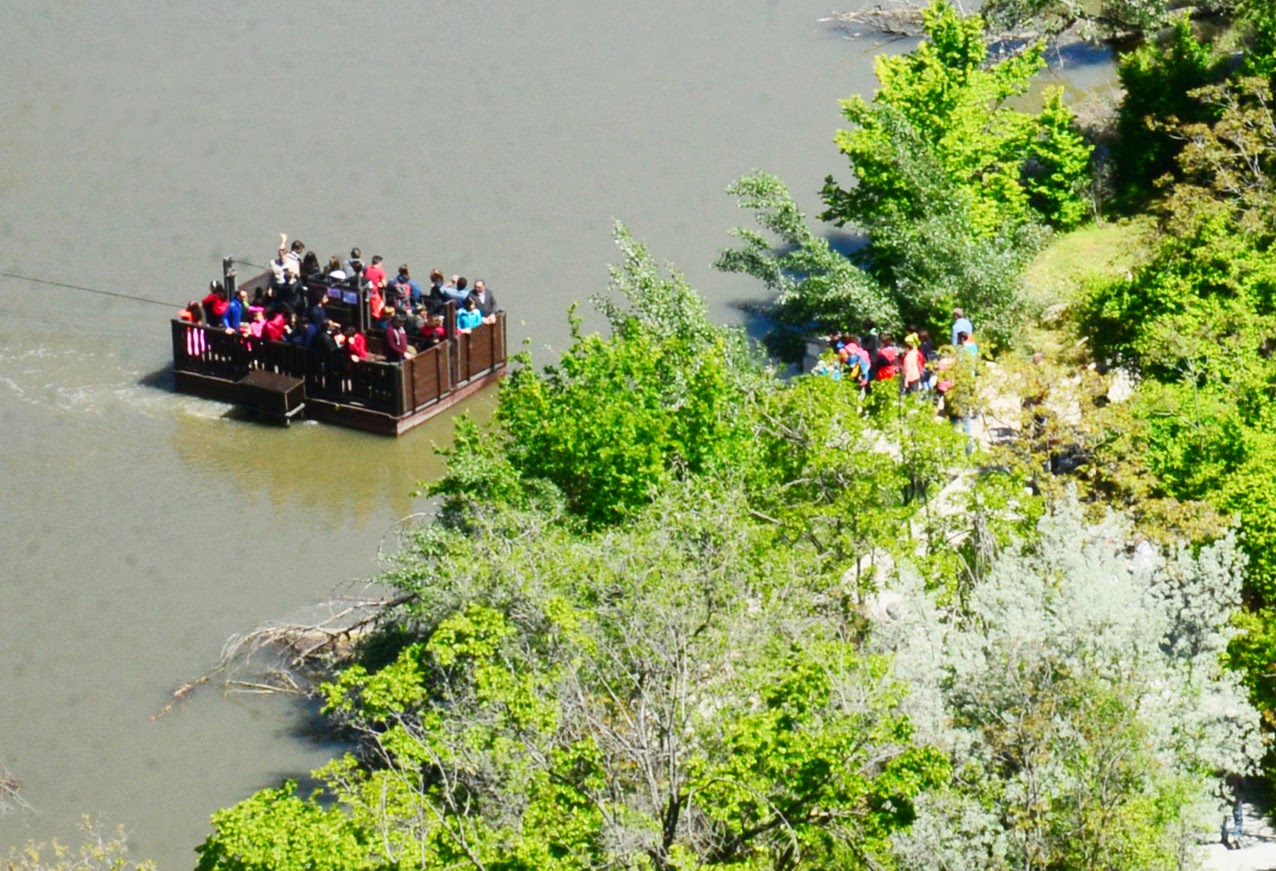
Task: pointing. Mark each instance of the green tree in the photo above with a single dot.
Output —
(951, 183)
(1260, 19)
(948, 100)
(275, 830)
(815, 286)
(673, 693)
(1160, 80)
(617, 419)
(671, 676)
(952, 188)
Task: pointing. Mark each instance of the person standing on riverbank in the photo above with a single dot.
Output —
(961, 324)
(1232, 792)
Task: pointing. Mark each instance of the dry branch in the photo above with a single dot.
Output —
(301, 651)
(900, 19)
(10, 794)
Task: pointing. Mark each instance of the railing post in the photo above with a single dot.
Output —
(400, 389)
(179, 343)
(409, 384)
(453, 340)
(491, 342)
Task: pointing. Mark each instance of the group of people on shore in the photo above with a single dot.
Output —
(916, 365)
(293, 306)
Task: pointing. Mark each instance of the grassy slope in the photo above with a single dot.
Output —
(1056, 278)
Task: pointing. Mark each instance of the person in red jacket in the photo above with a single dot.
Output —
(375, 274)
(356, 345)
(273, 330)
(886, 365)
(216, 305)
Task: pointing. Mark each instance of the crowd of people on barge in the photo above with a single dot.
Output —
(293, 307)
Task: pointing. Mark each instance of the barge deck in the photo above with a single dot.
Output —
(285, 381)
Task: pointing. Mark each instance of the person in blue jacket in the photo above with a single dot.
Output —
(469, 317)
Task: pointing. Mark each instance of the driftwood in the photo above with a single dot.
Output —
(902, 19)
(898, 20)
(10, 793)
(300, 652)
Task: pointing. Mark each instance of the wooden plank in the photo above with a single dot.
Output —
(272, 394)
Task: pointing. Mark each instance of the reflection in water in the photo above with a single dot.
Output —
(343, 474)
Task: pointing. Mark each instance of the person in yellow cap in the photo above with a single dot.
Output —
(914, 362)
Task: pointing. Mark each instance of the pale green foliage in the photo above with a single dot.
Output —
(677, 693)
(1081, 697)
(663, 307)
(99, 850)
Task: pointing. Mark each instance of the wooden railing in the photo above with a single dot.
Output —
(482, 349)
(396, 389)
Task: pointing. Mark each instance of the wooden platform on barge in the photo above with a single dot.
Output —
(283, 380)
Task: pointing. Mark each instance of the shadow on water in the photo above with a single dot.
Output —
(782, 342)
(1080, 56)
(848, 243)
(311, 727)
(160, 379)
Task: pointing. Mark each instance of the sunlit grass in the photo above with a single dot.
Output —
(1058, 275)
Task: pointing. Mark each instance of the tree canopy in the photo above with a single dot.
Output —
(715, 669)
(952, 189)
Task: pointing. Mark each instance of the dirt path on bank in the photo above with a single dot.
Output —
(1258, 846)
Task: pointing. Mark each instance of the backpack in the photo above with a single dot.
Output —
(887, 364)
(857, 366)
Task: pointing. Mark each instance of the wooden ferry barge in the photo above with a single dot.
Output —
(284, 381)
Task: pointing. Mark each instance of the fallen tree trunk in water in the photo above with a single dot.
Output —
(301, 652)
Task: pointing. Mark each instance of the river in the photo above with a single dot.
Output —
(142, 142)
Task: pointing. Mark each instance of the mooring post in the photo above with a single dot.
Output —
(228, 276)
